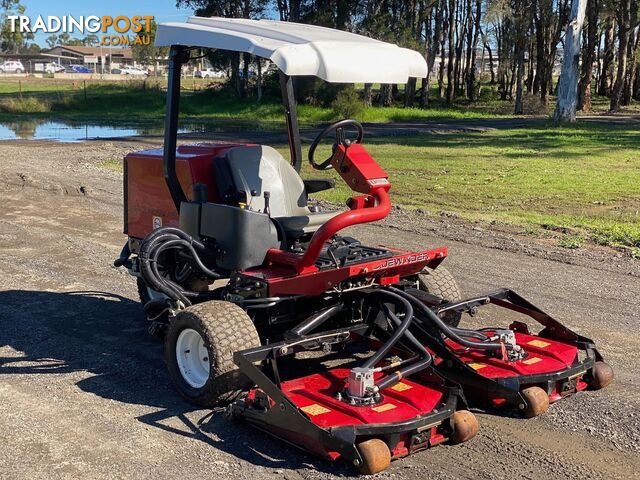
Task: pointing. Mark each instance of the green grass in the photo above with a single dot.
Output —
(575, 184)
(146, 100)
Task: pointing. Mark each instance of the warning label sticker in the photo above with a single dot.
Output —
(314, 409)
(532, 361)
(401, 387)
(384, 407)
(476, 366)
(538, 343)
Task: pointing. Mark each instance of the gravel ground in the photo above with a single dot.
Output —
(83, 390)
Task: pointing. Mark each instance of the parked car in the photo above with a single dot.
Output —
(78, 69)
(131, 70)
(12, 66)
(53, 67)
(210, 73)
(250, 73)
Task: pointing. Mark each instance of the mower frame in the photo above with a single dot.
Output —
(510, 388)
(341, 439)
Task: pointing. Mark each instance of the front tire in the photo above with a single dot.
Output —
(440, 282)
(199, 349)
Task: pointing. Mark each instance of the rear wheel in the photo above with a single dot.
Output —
(199, 348)
(440, 282)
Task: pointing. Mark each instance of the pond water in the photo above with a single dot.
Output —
(75, 131)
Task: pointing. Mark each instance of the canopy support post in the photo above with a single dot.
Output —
(177, 56)
(289, 103)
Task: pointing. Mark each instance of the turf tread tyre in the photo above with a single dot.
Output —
(225, 329)
(143, 293)
(440, 282)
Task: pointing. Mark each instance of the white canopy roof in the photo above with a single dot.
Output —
(297, 49)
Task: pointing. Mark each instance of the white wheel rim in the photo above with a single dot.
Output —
(192, 357)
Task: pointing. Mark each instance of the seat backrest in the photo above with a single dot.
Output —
(262, 169)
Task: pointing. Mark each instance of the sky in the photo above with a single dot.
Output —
(163, 10)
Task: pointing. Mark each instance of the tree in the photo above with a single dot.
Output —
(64, 39)
(233, 9)
(588, 57)
(11, 42)
(52, 41)
(568, 85)
(92, 40)
(522, 9)
(623, 16)
(144, 51)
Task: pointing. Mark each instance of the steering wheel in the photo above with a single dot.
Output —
(340, 140)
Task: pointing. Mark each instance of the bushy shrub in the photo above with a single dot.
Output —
(347, 103)
(532, 105)
(325, 94)
(24, 105)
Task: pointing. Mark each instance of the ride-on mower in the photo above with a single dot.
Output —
(346, 350)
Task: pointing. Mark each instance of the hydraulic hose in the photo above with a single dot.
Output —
(413, 340)
(470, 333)
(393, 378)
(421, 364)
(164, 239)
(123, 259)
(396, 335)
(446, 329)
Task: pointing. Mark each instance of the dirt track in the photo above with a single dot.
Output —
(83, 390)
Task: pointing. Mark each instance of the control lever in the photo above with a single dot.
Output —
(267, 209)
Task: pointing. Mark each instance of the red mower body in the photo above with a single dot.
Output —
(408, 400)
(555, 362)
(147, 201)
(543, 357)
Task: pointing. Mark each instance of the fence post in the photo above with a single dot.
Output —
(20, 88)
(85, 91)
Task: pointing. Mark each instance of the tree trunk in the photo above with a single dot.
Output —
(259, 79)
(589, 52)
(568, 85)
(452, 47)
(386, 95)
(519, 104)
(623, 15)
(491, 69)
(457, 67)
(236, 81)
(471, 82)
(245, 74)
(409, 92)
(631, 64)
(530, 68)
(441, 89)
(521, 29)
(606, 77)
(367, 94)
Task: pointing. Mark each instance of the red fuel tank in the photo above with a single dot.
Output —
(147, 201)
